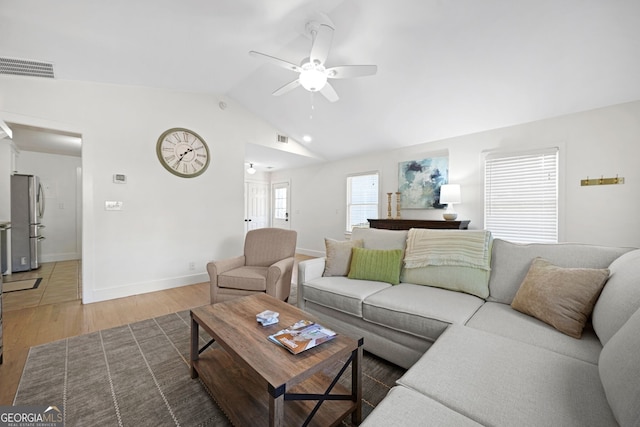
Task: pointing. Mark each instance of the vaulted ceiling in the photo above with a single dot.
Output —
(445, 67)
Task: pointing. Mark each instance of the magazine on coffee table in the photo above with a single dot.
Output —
(302, 336)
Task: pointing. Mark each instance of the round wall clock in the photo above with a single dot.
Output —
(183, 152)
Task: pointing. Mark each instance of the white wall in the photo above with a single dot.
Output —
(58, 177)
(592, 143)
(167, 222)
(6, 154)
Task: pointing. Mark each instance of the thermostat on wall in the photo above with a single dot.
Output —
(120, 178)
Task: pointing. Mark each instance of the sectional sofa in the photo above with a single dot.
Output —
(489, 334)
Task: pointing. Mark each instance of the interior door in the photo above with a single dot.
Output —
(281, 203)
(256, 205)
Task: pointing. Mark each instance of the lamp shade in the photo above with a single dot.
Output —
(450, 193)
(251, 169)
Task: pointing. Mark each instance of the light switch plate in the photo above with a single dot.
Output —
(113, 205)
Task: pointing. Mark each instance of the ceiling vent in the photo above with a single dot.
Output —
(283, 139)
(23, 67)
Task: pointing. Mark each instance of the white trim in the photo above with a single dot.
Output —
(130, 289)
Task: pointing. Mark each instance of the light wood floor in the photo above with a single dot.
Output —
(61, 282)
(42, 323)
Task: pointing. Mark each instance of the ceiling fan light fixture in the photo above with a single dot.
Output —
(313, 79)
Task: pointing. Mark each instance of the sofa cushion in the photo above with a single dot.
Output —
(381, 239)
(374, 264)
(503, 320)
(419, 310)
(620, 372)
(404, 407)
(620, 297)
(510, 262)
(501, 382)
(561, 297)
(341, 293)
(339, 256)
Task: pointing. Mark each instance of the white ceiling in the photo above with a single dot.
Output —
(445, 67)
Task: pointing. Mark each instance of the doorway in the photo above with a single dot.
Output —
(55, 157)
(256, 205)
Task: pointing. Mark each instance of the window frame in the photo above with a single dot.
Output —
(348, 226)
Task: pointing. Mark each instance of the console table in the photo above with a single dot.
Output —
(405, 224)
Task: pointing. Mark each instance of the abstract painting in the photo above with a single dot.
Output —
(419, 182)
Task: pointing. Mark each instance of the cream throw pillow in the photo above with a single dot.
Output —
(339, 256)
(561, 297)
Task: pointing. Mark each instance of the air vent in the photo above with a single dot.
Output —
(23, 67)
(283, 139)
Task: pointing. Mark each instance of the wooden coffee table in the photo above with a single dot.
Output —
(257, 382)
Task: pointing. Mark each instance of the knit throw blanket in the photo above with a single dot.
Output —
(448, 247)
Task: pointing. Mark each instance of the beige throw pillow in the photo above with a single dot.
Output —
(339, 256)
(561, 297)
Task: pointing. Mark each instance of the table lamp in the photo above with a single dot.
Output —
(450, 194)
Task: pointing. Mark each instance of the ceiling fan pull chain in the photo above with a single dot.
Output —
(312, 107)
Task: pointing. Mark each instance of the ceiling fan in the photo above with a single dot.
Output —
(313, 72)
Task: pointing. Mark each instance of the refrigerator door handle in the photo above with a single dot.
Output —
(40, 200)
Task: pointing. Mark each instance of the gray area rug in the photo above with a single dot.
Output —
(138, 375)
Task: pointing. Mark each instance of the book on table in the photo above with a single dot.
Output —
(302, 336)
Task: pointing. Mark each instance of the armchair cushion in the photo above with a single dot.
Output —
(248, 278)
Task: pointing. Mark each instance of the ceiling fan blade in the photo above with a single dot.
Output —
(277, 61)
(351, 71)
(286, 88)
(329, 92)
(321, 44)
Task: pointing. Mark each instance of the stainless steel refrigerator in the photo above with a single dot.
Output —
(27, 209)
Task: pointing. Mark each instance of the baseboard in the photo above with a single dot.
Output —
(70, 256)
(130, 289)
(310, 252)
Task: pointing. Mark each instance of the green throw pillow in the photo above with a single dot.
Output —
(373, 264)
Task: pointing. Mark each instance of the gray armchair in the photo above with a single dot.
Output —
(266, 266)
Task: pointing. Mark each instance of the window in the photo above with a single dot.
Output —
(521, 196)
(280, 203)
(362, 199)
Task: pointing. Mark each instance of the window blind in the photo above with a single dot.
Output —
(521, 196)
(362, 199)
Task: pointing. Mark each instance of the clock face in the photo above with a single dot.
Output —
(183, 152)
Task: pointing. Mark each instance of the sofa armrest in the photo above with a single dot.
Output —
(308, 270)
